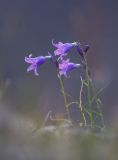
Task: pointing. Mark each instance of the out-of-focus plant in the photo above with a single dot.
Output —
(88, 102)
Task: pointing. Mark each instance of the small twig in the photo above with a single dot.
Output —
(72, 103)
(46, 118)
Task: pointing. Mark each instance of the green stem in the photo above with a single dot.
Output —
(64, 96)
(95, 98)
(88, 94)
(99, 109)
(80, 103)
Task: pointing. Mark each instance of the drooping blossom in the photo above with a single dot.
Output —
(66, 66)
(86, 48)
(63, 48)
(82, 50)
(35, 62)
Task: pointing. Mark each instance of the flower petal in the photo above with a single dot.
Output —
(31, 67)
(29, 60)
(35, 72)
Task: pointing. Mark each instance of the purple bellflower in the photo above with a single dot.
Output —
(66, 66)
(82, 51)
(63, 48)
(35, 62)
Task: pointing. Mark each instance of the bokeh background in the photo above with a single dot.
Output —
(28, 26)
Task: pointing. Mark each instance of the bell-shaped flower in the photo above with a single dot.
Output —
(82, 50)
(66, 66)
(63, 48)
(35, 62)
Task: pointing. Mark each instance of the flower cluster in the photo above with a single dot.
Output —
(61, 51)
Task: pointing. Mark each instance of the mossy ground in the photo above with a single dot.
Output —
(58, 143)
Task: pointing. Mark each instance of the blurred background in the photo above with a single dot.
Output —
(28, 26)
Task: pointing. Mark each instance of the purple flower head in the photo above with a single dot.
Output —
(66, 66)
(82, 51)
(63, 48)
(35, 62)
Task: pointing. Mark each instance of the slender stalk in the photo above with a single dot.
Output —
(80, 103)
(88, 94)
(65, 97)
(46, 118)
(101, 114)
(97, 101)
